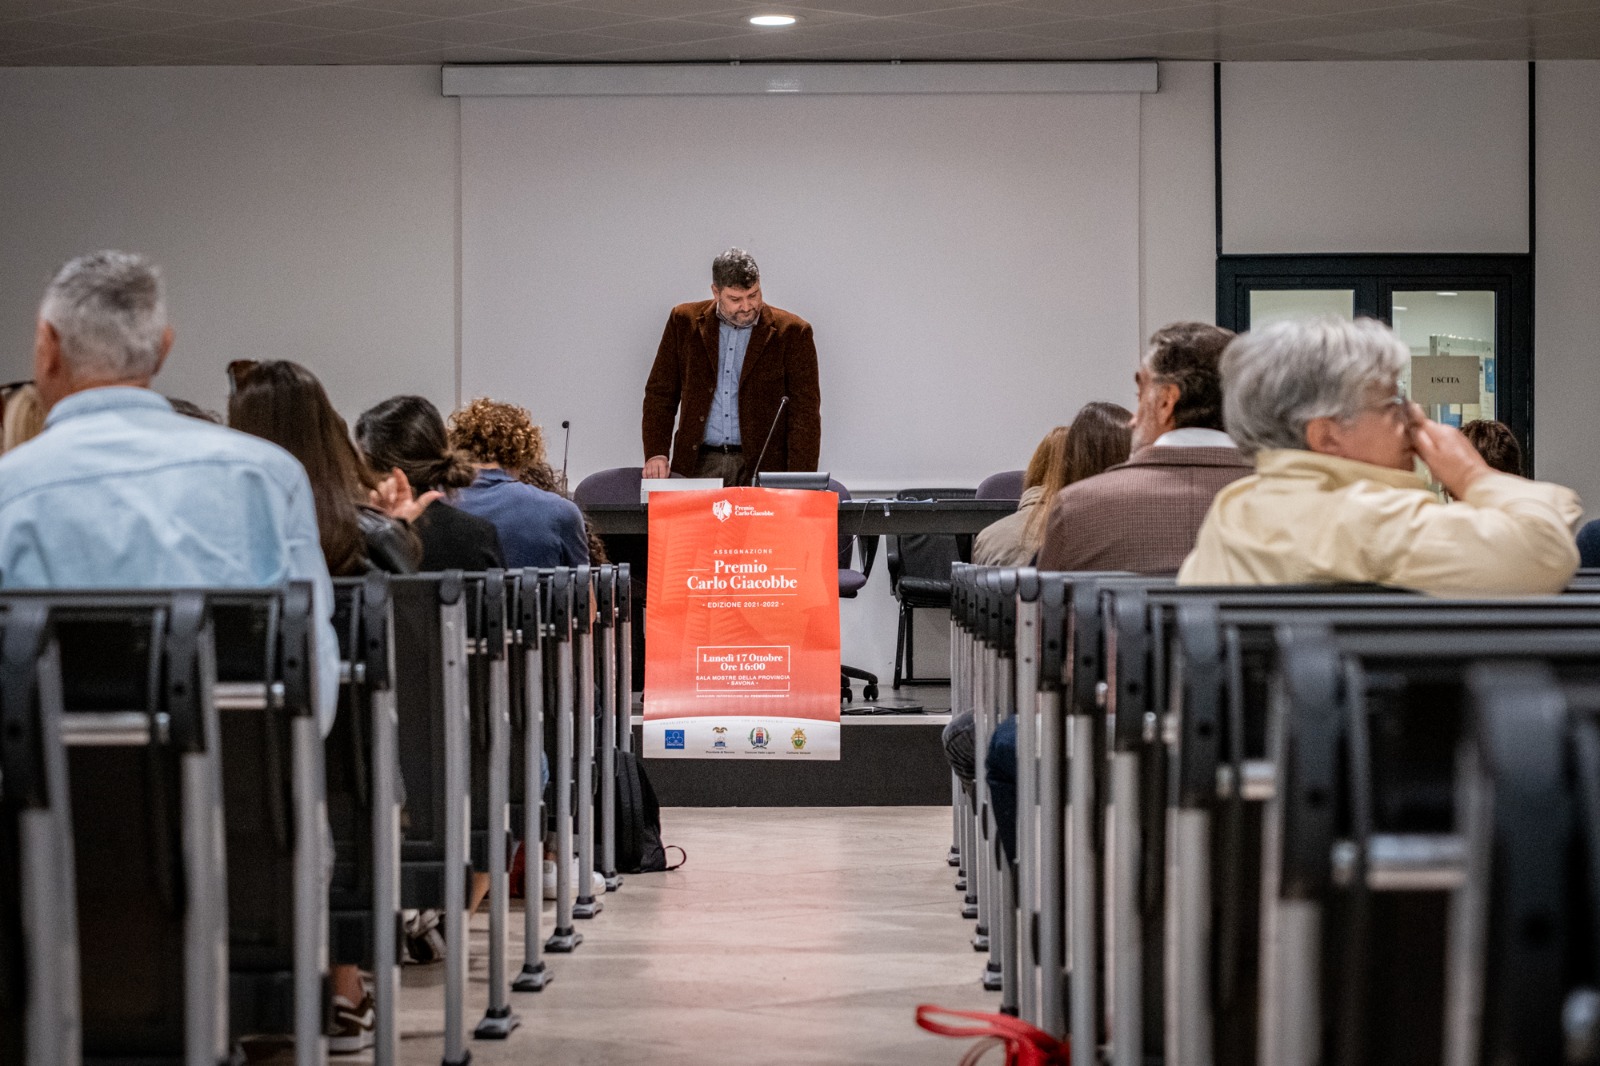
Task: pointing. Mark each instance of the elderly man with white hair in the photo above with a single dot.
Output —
(1335, 496)
(120, 490)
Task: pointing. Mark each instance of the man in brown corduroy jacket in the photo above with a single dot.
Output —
(722, 370)
(1143, 515)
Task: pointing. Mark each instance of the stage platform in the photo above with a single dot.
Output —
(889, 759)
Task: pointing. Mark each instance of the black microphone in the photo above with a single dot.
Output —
(566, 443)
(755, 471)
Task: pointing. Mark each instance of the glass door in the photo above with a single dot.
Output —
(1467, 319)
(1451, 334)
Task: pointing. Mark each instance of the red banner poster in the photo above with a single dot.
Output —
(742, 625)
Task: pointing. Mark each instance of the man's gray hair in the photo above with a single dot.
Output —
(735, 269)
(1278, 378)
(110, 311)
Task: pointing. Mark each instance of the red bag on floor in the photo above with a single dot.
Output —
(1024, 1045)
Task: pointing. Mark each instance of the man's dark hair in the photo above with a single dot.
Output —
(189, 409)
(1497, 444)
(1188, 354)
(735, 269)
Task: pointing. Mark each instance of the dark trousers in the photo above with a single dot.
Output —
(1001, 770)
(728, 466)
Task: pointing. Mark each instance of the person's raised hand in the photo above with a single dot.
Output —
(656, 466)
(1455, 463)
(395, 498)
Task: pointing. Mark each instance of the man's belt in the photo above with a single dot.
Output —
(725, 449)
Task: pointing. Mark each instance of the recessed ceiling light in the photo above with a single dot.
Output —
(772, 20)
(1447, 294)
(1397, 307)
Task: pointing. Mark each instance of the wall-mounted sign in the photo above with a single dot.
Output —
(1445, 379)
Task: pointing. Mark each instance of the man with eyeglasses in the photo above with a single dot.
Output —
(1336, 497)
(1142, 515)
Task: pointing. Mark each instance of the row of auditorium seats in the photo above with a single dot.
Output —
(167, 798)
(1286, 826)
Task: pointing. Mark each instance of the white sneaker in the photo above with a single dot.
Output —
(353, 1024)
(597, 885)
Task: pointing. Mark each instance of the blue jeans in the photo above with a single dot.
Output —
(1001, 770)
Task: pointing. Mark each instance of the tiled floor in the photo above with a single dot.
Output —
(792, 936)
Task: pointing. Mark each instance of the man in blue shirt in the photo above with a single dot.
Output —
(730, 371)
(120, 491)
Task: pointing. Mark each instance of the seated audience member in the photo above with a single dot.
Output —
(1142, 515)
(23, 418)
(1589, 545)
(1098, 438)
(361, 527)
(1496, 443)
(537, 527)
(405, 437)
(358, 517)
(1335, 497)
(120, 491)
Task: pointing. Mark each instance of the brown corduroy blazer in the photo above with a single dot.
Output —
(1142, 515)
(780, 361)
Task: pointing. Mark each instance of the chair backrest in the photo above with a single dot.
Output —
(926, 557)
(257, 635)
(846, 542)
(132, 821)
(422, 687)
(486, 626)
(617, 484)
(1006, 485)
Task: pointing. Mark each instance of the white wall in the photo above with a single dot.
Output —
(1374, 157)
(1177, 196)
(931, 241)
(1567, 278)
(302, 213)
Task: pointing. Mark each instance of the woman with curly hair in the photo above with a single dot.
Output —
(537, 527)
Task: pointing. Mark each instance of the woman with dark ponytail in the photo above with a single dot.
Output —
(405, 437)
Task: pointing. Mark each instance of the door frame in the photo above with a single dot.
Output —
(1375, 279)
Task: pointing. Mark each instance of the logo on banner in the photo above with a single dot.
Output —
(675, 739)
(719, 742)
(723, 510)
(759, 737)
(798, 739)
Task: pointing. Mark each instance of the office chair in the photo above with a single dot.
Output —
(919, 576)
(1006, 485)
(851, 581)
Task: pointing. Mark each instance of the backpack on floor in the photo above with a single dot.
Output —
(639, 848)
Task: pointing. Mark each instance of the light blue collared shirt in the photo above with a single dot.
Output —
(722, 424)
(120, 491)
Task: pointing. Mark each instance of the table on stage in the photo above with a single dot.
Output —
(858, 517)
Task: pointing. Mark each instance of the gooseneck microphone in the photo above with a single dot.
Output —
(755, 471)
(566, 443)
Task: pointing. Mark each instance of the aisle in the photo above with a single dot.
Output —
(793, 936)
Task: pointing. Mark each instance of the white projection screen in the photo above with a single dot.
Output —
(969, 262)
